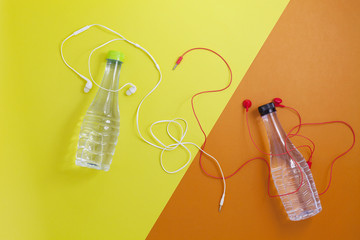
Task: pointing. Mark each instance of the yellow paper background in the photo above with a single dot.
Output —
(43, 194)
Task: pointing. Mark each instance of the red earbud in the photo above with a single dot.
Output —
(247, 104)
(277, 102)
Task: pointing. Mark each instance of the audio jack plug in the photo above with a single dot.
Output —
(178, 62)
(221, 202)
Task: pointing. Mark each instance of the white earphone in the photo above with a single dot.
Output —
(89, 83)
(131, 90)
(177, 142)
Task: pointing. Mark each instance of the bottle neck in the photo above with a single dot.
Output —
(283, 151)
(106, 102)
(273, 128)
(111, 75)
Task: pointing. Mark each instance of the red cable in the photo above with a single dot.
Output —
(289, 135)
(199, 93)
(299, 116)
(202, 130)
(287, 152)
(335, 159)
(312, 151)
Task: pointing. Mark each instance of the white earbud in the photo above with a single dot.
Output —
(88, 86)
(89, 83)
(131, 90)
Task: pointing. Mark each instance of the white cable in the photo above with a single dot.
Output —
(163, 147)
(89, 82)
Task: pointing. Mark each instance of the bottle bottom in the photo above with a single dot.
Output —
(304, 215)
(84, 163)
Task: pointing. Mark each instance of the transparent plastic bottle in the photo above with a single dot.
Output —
(101, 126)
(305, 203)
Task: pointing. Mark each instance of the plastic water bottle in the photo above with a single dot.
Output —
(286, 174)
(100, 128)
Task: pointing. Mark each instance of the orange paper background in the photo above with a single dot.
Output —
(310, 60)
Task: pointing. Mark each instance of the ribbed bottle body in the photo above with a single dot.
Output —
(286, 173)
(101, 125)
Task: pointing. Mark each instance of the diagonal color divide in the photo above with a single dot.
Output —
(311, 61)
(43, 195)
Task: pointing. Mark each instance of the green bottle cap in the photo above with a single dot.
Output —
(116, 55)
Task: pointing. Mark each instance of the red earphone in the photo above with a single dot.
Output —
(277, 101)
(247, 103)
